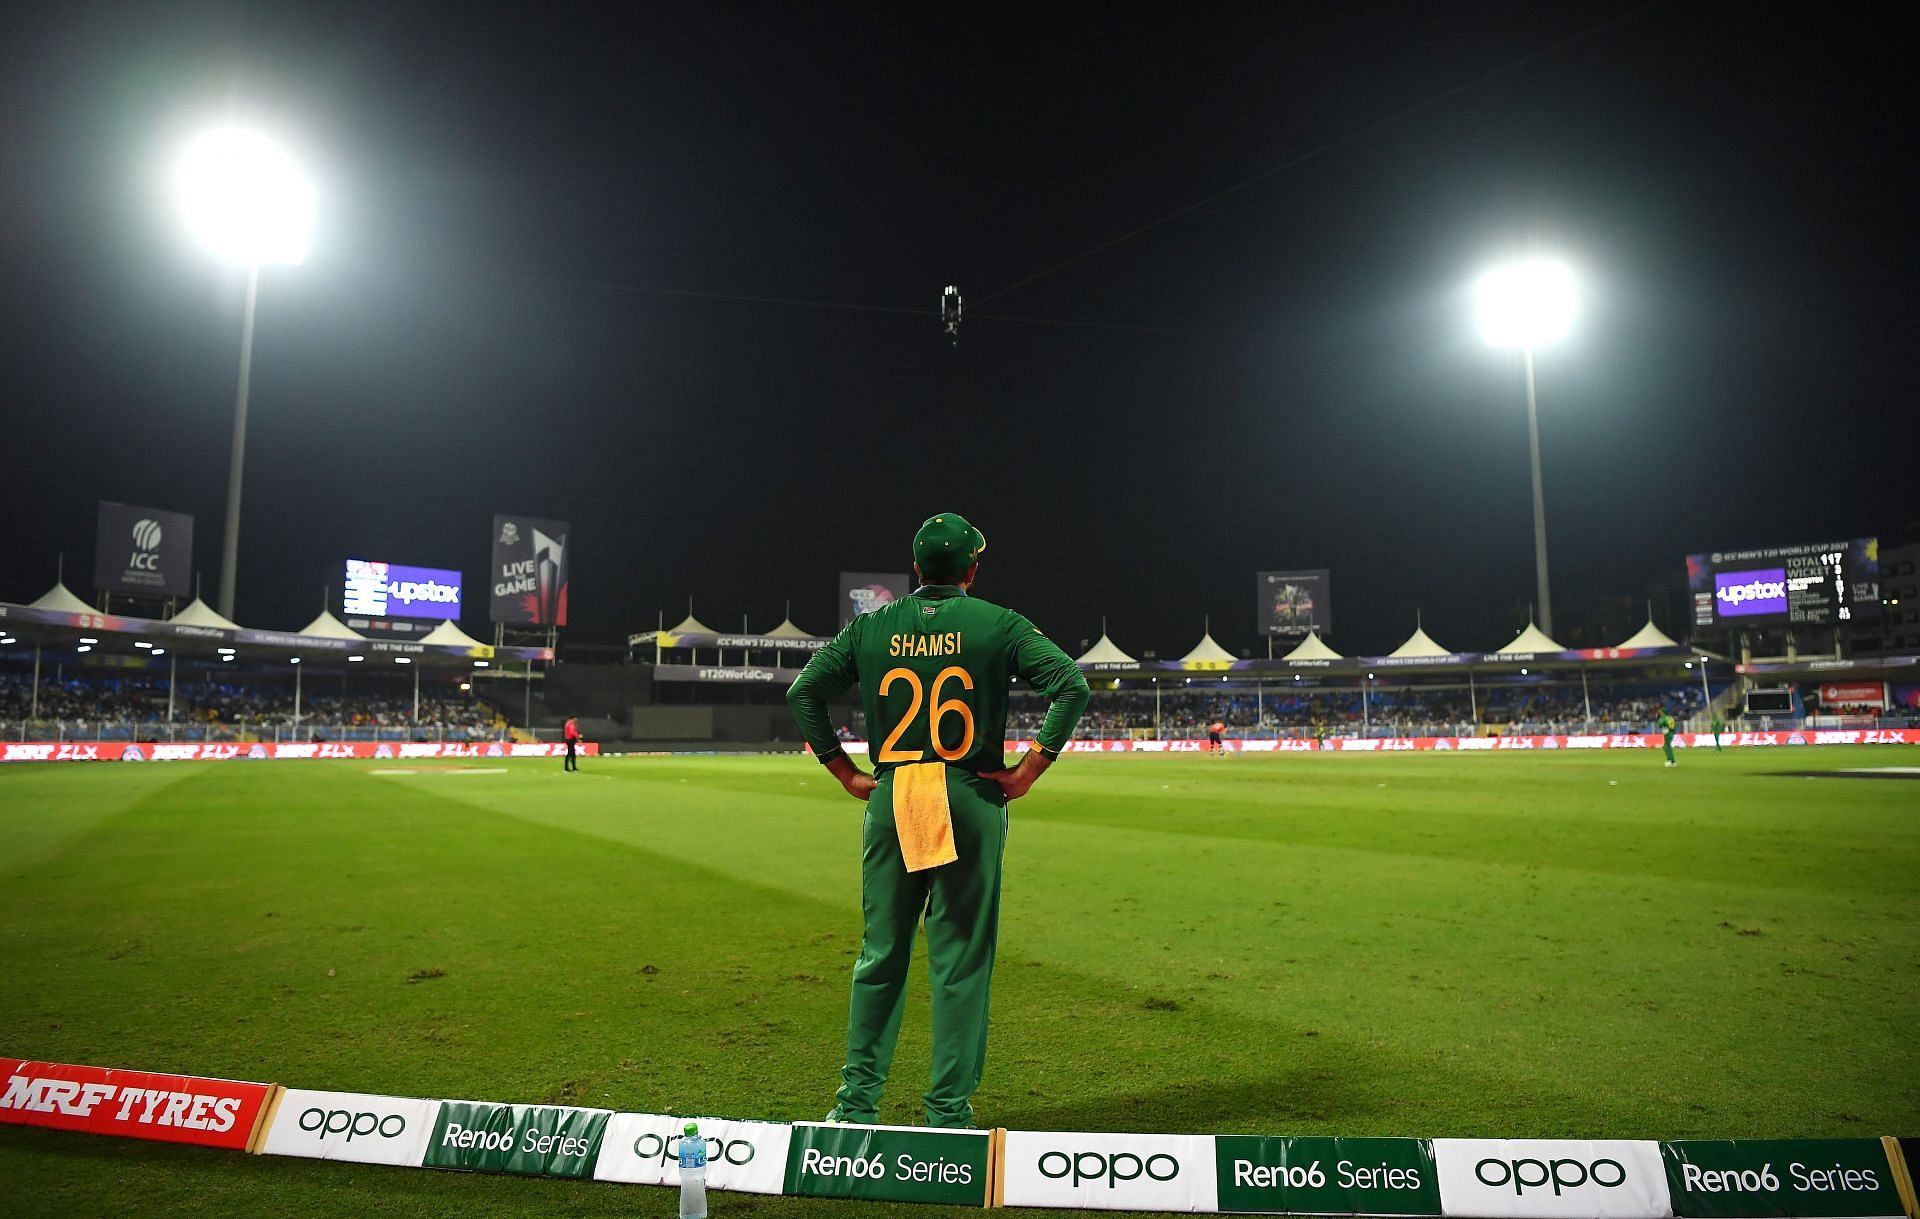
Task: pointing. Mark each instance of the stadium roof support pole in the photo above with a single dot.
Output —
(296, 692)
(416, 698)
(1706, 695)
(1366, 710)
(1585, 699)
(173, 677)
(1473, 703)
(526, 701)
(34, 714)
(1156, 699)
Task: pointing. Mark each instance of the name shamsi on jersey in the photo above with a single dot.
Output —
(947, 644)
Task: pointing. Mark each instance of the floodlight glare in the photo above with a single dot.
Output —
(244, 198)
(1526, 304)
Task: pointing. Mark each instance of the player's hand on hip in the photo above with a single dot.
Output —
(1012, 786)
(1017, 780)
(859, 785)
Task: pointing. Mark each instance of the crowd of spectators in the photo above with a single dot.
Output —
(1186, 711)
(136, 705)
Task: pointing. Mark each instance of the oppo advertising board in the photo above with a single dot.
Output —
(1292, 604)
(147, 552)
(530, 571)
(1819, 584)
(355, 1126)
(373, 589)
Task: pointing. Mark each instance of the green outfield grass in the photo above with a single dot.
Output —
(1580, 944)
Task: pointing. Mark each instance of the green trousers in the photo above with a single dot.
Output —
(961, 902)
(1667, 744)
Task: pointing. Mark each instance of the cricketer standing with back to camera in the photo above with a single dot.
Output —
(933, 669)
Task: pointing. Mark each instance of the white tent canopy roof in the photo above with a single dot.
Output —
(691, 626)
(326, 626)
(786, 630)
(1650, 636)
(199, 613)
(449, 635)
(1533, 639)
(1312, 648)
(62, 600)
(1207, 650)
(1106, 652)
(1420, 644)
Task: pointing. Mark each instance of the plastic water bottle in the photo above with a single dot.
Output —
(693, 1173)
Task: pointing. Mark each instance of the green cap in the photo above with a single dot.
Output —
(692, 1128)
(946, 546)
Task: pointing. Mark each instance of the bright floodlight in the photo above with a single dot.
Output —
(245, 199)
(1527, 304)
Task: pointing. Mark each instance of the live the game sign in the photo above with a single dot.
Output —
(132, 1104)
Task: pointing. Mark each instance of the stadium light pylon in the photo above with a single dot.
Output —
(245, 199)
(1524, 305)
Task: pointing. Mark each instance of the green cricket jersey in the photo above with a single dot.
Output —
(933, 669)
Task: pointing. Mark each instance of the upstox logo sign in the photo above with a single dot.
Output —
(1148, 1172)
(351, 1126)
(892, 1163)
(1326, 1176)
(1552, 1178)
(644, 1149)
(535, 1140)
(1737, 1179)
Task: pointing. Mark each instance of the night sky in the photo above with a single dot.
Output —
(532, 223)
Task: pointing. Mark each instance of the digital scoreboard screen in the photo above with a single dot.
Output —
(390, 590)
(1823, 584)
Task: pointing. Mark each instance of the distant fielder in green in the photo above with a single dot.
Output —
(1718, 728)
(933, 669)
(1666, 725)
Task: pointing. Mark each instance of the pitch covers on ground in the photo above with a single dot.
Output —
(1122, 1172)
(644, 1149)
(1552, 1179)
(352, 1126)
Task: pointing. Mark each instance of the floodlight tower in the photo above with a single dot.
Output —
(1523, 306)
(244, 199)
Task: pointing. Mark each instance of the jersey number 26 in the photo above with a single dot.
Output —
(889, 752)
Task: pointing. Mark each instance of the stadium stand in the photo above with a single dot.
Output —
(99, 706)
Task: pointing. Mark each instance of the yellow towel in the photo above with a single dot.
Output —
(921, 816)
